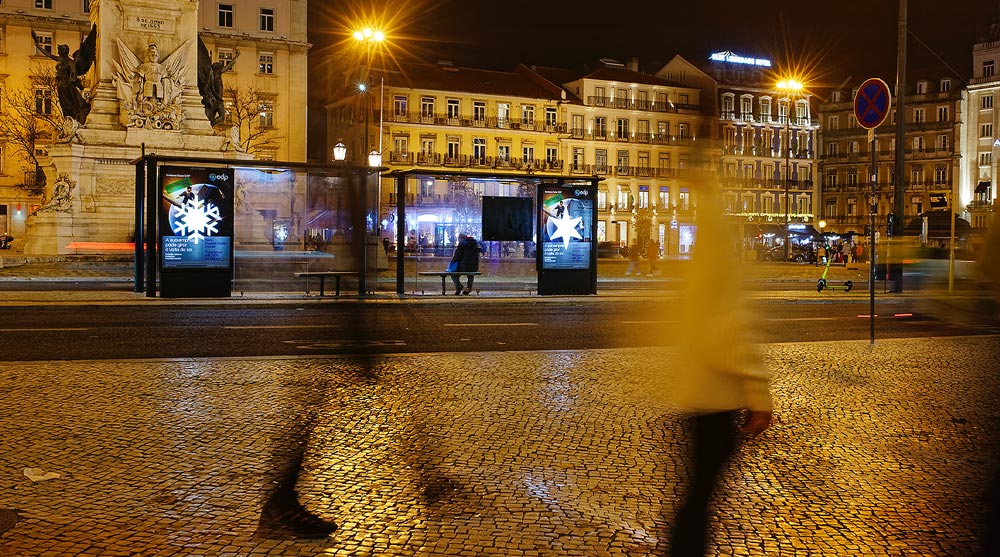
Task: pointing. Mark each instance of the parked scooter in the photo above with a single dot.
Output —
(5, 241)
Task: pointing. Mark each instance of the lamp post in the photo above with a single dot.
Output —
(791, 87)
(372, 39)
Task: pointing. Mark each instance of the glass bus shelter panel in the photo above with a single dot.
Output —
(289, 221)
(437, 210)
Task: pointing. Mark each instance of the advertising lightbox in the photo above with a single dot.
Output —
(566, 224)
(196, 231)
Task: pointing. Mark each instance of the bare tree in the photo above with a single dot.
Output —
(29, 122)
(252, 113)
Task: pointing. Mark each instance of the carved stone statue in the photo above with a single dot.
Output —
(60, 201)
(210, 83)
(150, 91)
(69, 69)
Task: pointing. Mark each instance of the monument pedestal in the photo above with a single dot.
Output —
(147, 95)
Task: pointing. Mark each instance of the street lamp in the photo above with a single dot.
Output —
(339, 151)
(791, 87)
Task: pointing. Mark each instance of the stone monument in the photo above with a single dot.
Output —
(144, 92)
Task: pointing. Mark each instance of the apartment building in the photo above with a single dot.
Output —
(439, 118)
(768, 160)
(977, 186)
(642, 134)
(934, 128)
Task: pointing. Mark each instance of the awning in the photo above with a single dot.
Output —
(803, 229)
(982, 187)
(937, 225)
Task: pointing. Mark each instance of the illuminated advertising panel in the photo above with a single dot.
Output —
(566, 226)
(196, 218)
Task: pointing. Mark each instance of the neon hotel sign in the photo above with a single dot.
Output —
(728, 56)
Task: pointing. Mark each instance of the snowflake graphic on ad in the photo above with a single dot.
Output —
(197, 219)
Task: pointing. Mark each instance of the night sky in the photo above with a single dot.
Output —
(824, 41)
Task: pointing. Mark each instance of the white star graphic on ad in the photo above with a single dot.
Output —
(566, 229)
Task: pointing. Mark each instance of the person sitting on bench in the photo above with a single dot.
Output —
(466, 258)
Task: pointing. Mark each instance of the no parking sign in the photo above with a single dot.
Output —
(872, 103)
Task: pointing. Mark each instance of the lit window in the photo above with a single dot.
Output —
(265, 63)
(43, 4)
(550, 116)
(479, 148)
(266, 113)
(267, 19)
(225, 15)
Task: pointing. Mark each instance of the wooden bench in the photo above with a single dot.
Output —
(446, 274)
(321, 275)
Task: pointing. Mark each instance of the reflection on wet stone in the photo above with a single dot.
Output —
(499, 454)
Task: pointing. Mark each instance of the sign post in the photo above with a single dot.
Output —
(871, 106)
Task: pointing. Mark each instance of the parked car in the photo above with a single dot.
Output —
(798, 254)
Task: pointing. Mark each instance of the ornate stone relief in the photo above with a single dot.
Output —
(61, 200)
(114, 185)
(150, 90)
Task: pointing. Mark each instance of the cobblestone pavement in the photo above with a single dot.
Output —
(878, 450)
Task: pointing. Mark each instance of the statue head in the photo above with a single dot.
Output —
(152, 53)
(63, 50)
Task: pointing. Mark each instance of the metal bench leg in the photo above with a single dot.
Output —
(338, 284)
(321, 277)
(443, 291)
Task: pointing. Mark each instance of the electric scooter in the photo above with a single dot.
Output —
(822, 283)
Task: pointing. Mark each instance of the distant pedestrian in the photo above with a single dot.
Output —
(821, 254)
(467, 260)
(653, 254)
(633, 260)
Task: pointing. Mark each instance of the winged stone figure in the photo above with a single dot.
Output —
(150, 90)
(210, 82)
(69, 69)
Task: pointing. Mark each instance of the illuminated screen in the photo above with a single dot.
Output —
(566, 224)
(196, 218)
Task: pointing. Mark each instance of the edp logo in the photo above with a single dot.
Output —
(213, 177)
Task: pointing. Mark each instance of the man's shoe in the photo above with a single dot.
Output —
(466, 291)
(459, 291)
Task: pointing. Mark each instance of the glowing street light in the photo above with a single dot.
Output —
(792, 87)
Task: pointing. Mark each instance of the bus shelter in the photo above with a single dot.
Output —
(535, 232)
(205, 227)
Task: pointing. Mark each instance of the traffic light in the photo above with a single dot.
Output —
(868, 230)
(888, 225)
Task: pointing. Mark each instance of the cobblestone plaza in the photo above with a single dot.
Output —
(876, 450)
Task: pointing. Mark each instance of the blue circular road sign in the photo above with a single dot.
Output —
(872, 103)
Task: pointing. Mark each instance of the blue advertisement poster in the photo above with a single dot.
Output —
(196, 218)
(566, 225)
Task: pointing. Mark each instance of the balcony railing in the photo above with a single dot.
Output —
(466, 121)
(646, 105)
(404, 158)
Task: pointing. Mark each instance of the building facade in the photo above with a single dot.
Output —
(768, 159)
(266, 41)
(440, 118)
(934, 129)
(637, 132)
(979, 144)
(645, 136)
